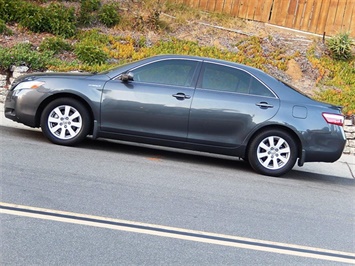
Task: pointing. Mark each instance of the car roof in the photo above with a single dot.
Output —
(274, 84)
(249, 69)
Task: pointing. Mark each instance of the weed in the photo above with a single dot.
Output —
(340, 46)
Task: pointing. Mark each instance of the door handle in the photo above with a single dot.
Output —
(181, 96)
(264, 105)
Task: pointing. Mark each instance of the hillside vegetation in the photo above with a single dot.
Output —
(94, 35)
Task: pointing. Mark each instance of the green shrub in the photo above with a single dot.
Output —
(10, 11)
(55, 44)
(3, 29)
(340, 46)
(93, 36)
(90, 54)
(34, 18)
(61, 20)
(90, 5)
(24, 54)
(108, 15)
(87, 9)
(90, 48)
(56, 19)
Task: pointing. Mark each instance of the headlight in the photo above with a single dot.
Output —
(32, 84)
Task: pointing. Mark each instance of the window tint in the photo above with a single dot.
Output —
(257, 88)
(223, 78)
(170, 72)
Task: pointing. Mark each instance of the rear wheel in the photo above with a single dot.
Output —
(272, 152)
(65, 121)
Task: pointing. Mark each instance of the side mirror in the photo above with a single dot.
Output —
(125, 77)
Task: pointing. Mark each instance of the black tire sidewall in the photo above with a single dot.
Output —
(252, 153)
(84, 115)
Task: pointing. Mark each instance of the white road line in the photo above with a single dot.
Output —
(177, 233)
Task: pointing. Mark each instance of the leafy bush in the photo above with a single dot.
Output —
(56, 18)
(10, 11)
(34, 18)
(90, 5)
(24, 54)
(3, 29)
(340, 46)
(93, 36)
(55, 44)
(90, 54)
(61, 20)
(87, 9)
(108, 15)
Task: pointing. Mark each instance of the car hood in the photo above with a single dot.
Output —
(34, 76)
(56, 74)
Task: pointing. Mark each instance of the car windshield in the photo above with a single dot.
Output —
(106, 72)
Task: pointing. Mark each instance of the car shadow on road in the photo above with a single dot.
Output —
(201, 159)
(164, 153)
(159, 153)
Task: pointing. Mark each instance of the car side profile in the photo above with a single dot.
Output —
(186, 102)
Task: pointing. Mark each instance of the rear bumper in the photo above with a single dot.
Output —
(325, 147)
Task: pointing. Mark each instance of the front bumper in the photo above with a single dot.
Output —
(20, 110)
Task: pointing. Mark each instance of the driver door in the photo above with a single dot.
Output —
(155, 104)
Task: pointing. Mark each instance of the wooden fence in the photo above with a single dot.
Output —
(315, 16)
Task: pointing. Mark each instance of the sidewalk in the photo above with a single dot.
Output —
(344, 167)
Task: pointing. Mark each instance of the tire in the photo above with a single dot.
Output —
(272, 152)
(65, 121)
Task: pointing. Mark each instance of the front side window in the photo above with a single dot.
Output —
(169, 72)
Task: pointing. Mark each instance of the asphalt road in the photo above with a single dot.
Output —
(110, 203)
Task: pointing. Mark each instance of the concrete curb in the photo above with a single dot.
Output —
(344, 167)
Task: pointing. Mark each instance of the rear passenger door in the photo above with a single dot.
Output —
(228, 103)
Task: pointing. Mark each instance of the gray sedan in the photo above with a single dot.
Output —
(185, 102)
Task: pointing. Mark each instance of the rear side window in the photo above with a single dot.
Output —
(223, 78)
(169, 72)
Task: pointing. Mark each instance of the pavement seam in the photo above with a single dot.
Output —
(351, 171)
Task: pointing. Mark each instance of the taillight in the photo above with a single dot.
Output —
(334, 119)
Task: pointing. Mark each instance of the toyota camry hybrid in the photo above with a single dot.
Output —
(185, 102)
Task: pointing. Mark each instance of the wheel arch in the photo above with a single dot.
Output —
(53, 97)
(286, 129)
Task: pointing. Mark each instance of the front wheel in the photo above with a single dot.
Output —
(272, 152)
(65, 121)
